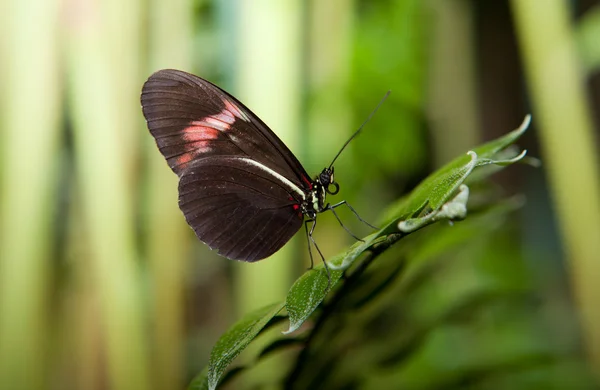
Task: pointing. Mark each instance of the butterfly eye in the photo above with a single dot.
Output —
(335, 190)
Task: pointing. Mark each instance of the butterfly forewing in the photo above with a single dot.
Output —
(240, 186)
(190, 117)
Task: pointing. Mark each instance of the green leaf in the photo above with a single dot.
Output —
(233, 342)
(312, 287)
(437, 189)
(200, 382)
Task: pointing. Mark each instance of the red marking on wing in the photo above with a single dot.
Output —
(234, 110)
(199, 131)
(296, 208)
(184, 159)
(221, 121)
(199, 135)
(307, 181)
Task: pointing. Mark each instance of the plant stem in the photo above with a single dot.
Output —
(557, 89)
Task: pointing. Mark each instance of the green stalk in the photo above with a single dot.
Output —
(269, 83)
(267, 77)
(30, 134)
(100, 47)
(168, 236)
(329, 32)
(452, 104)
(588, 31)
(330, 120)
(562, 116)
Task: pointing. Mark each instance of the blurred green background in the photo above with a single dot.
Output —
(103, 286)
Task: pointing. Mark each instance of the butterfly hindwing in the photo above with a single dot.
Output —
(238, 208)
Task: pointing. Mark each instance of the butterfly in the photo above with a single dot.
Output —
(241, 189)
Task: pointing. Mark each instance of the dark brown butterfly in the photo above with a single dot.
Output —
(241, 189)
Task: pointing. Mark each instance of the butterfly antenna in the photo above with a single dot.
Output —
(360, 128)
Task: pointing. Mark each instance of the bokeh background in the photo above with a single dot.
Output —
(103, 286)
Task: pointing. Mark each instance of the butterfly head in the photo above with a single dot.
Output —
(327, 182)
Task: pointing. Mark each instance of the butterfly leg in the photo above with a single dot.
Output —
(308, 239)
(328, 207)
(353, 212)
(309, 235)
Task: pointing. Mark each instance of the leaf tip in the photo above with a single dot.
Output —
(526, 122)
(293, 327)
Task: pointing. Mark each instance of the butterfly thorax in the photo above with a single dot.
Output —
(321, 186)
